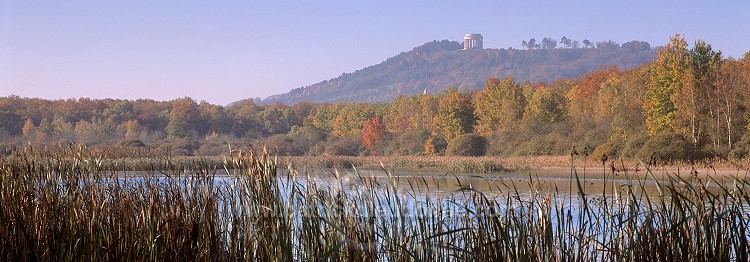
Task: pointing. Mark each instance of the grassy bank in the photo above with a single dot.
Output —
(415, 163)
(66, 206)
(548, 166)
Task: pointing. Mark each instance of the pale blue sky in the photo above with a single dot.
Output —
(223, 51)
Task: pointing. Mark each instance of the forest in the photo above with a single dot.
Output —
(690, 102)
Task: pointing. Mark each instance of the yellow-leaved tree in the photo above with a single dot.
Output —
(499, 105)
(665, 78)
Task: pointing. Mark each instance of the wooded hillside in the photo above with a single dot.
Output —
(435, 65)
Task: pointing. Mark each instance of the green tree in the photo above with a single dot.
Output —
(276, 120)
(532, 44)
(692, 100)
(119, 111)
(44, 131)
(549, 43)
(11, 122)
(586, 43)
(215, 119)
(94, 132)
(63, 130)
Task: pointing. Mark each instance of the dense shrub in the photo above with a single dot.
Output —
(590, 135)
(666, 147)
(741, 149)
(551, 144)
(132, 143)
(633, 144)
(212, 147)
(612, 148)
(435, 145)
(346, 146)
(408, 143)
(283, 145)
(317, 149)
(471, 144)
(6, 149)
(310, 141)
(178, 146)
(505, 142)
(620, 146)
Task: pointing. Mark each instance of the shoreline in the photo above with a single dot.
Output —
(553, 166)
(543, 166)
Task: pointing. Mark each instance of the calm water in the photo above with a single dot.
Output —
(417, 188)
(432, 183)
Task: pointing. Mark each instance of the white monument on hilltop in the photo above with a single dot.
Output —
(473, 41)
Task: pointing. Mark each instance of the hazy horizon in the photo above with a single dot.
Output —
(225, 52)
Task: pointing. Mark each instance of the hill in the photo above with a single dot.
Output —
(439, 64)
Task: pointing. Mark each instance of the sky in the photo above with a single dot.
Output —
(224, 51)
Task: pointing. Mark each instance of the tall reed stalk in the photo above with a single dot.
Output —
(71, 204)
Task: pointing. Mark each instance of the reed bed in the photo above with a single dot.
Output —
(71, 205)
(422, 163)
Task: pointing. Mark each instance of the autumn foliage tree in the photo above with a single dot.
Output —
(455, 114)
(693, 96)
(350, 118)
(584, 96)
(373, 132)
(666, 78)
(28, 128)
(547, 105)
(182, 118)
(499, 105)
(620, 99)
(729, 101)
(413, 113)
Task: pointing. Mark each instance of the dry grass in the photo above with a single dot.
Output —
(66, 205)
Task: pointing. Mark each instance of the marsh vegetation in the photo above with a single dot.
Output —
(72, 204)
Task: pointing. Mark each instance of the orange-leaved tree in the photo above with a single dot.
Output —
(584, 96)
(373, 131)
(455, 114)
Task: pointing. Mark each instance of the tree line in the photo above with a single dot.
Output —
(690, 102)
(551, 43)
